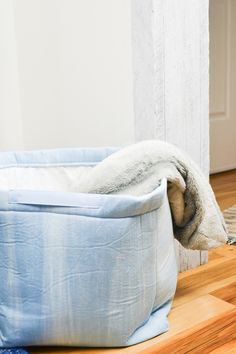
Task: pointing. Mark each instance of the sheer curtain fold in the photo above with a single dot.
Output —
(11, 125)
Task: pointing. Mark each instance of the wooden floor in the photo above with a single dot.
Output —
(203, 318)
(224, 185)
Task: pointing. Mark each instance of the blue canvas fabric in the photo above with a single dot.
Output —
(13, 351)
(83, 269)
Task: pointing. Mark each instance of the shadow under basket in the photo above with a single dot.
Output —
(80, 269)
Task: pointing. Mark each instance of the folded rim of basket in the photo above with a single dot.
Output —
(94, 205)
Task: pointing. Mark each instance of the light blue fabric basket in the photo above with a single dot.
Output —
(83, 269)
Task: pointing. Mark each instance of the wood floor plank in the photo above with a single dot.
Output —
(227, 293)
(219, 271)
(183, 297)
(228, 348)
(228, 251)
(224, 253)
(224, 186)
(202, 338)
(205, 281)
(192, 314)
(214, 255)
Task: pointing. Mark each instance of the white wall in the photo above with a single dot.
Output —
(11, 132)
(74, 62)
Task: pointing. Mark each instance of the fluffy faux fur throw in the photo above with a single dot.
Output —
(138, 169)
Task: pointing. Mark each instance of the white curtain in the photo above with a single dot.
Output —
(11, 130)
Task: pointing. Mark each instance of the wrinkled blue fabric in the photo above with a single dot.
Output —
(83, 269)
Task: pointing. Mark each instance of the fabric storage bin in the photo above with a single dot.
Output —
(80, 269)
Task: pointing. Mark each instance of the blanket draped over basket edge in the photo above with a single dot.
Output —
(137, 169)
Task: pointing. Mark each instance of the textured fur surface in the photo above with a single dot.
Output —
(137, 169)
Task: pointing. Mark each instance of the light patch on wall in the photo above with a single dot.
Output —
(75, 69)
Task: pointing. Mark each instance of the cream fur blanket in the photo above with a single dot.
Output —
(137, 169)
